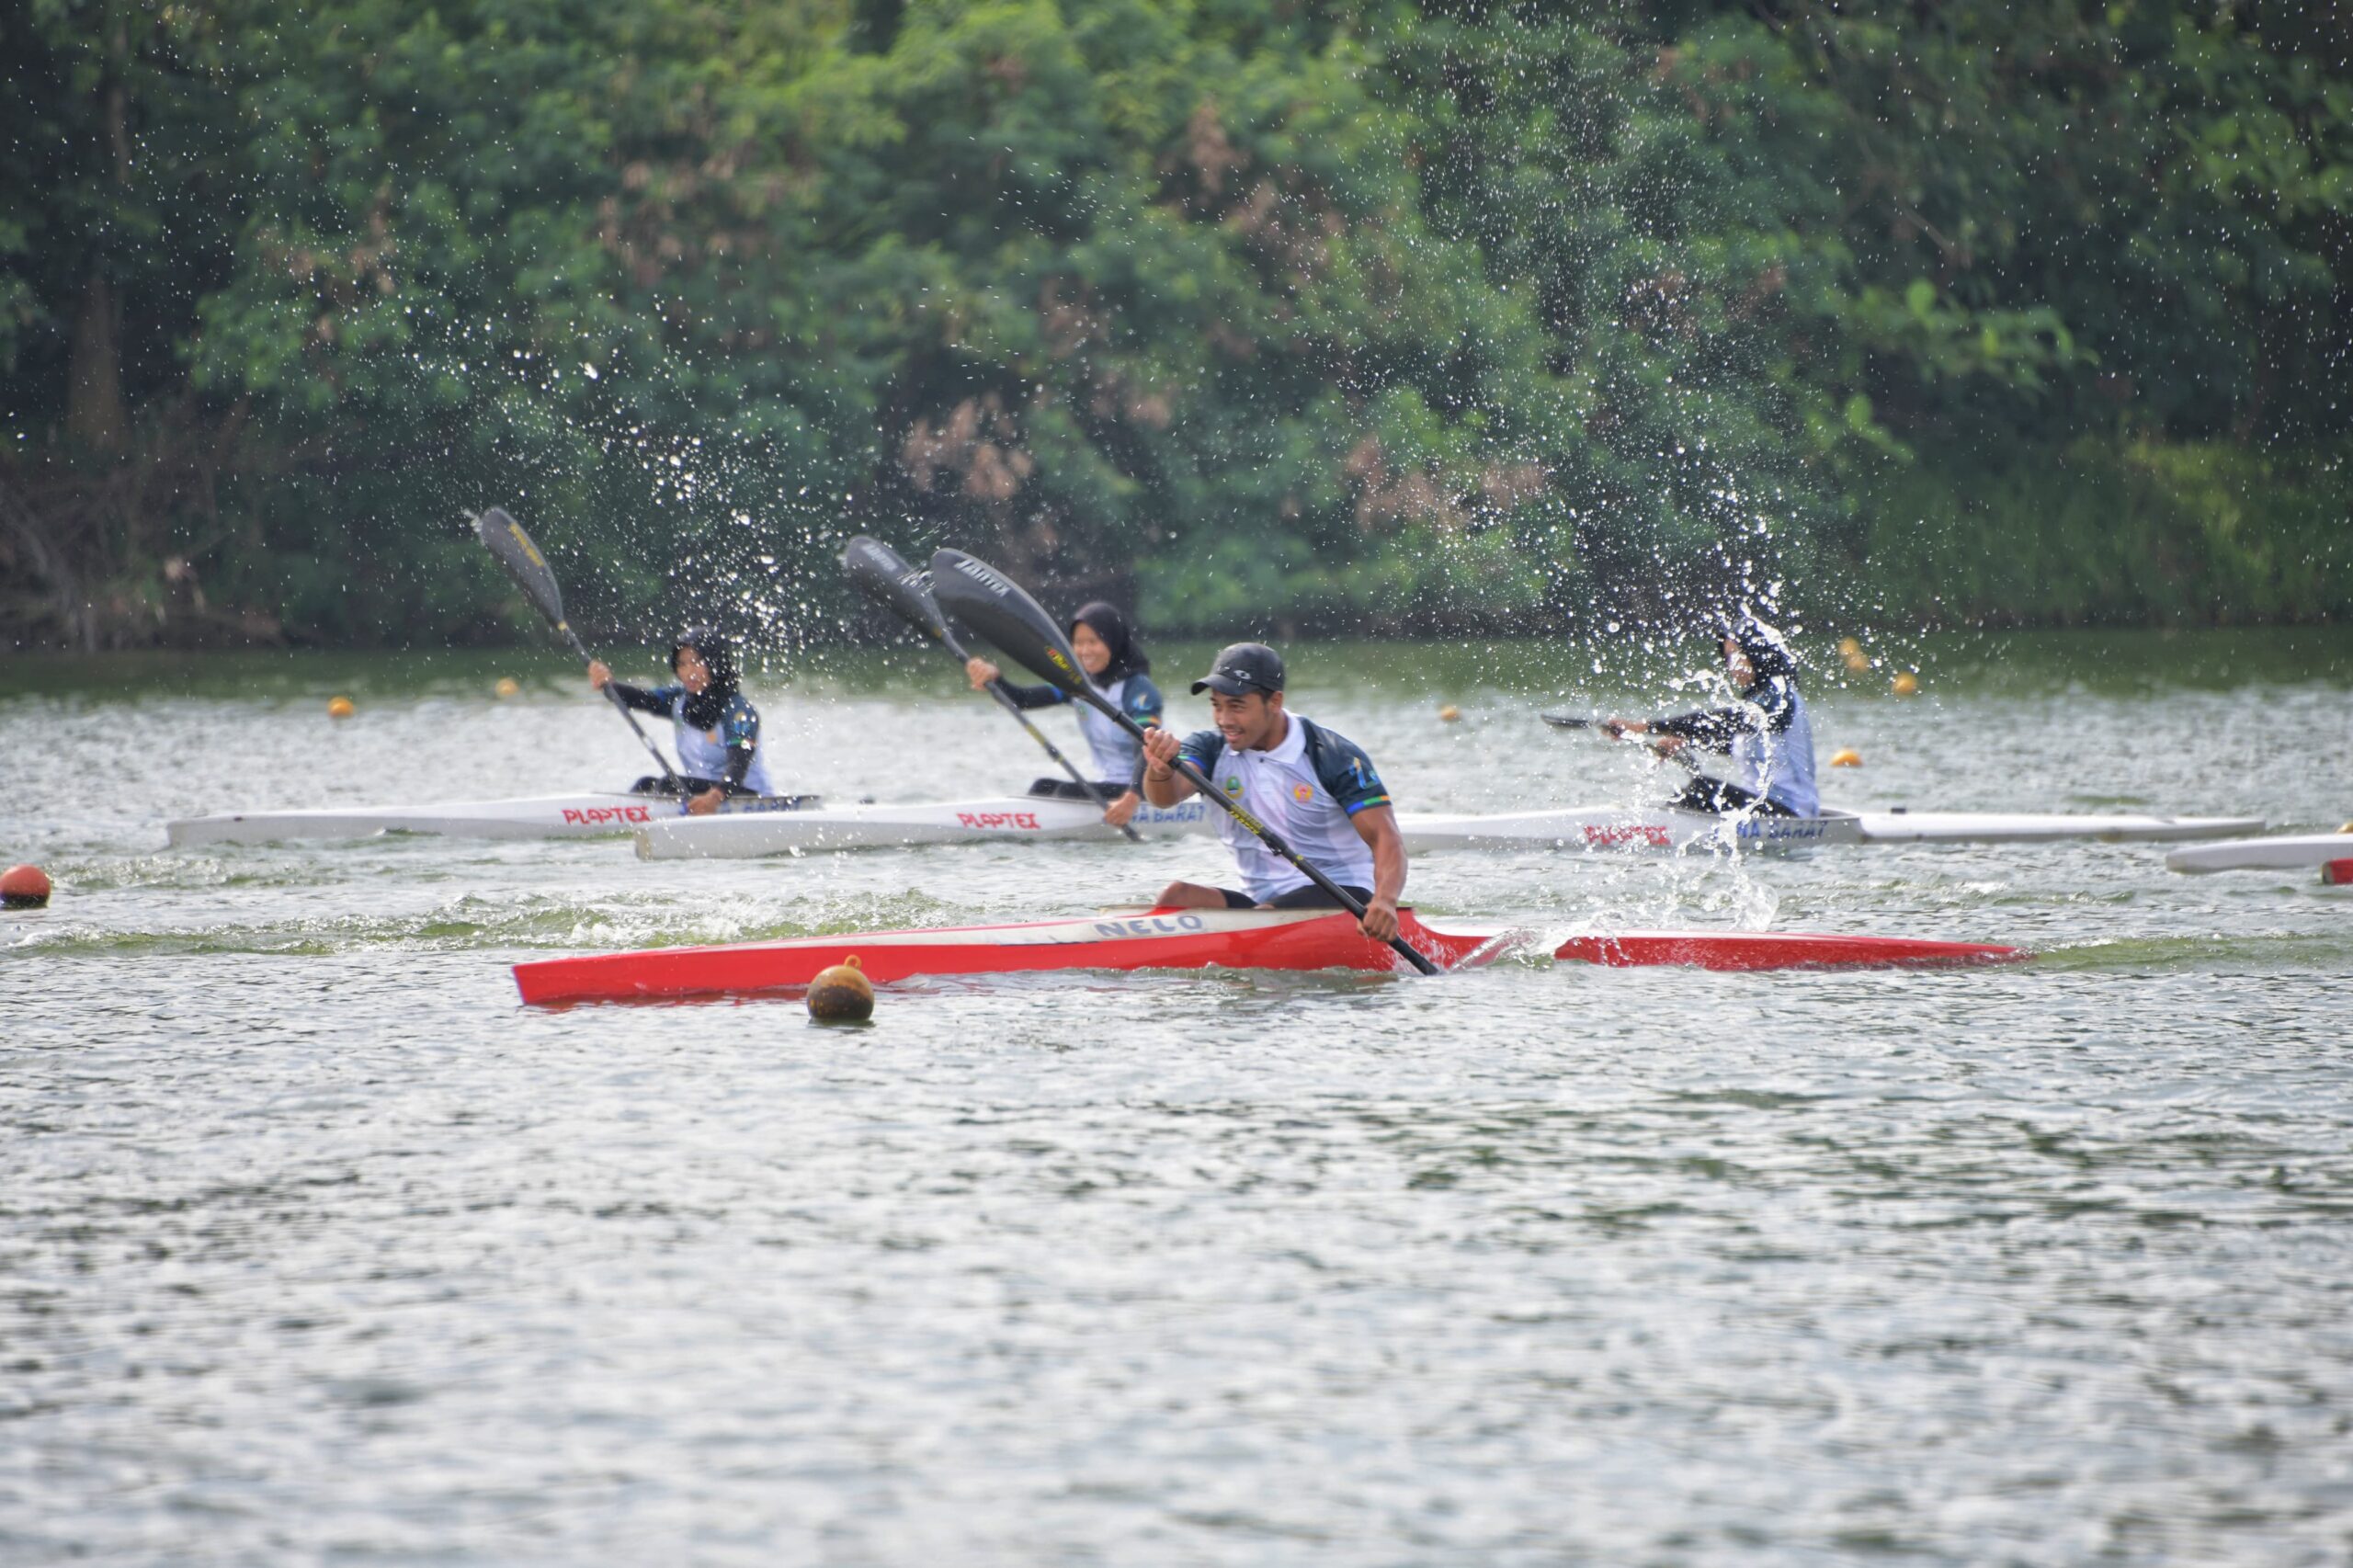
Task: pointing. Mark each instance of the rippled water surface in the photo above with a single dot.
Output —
(315, 1247)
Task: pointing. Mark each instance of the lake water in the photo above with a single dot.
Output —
(316, 1247)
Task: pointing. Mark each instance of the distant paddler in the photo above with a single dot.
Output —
(1767, 732)
(1118, 671)
(718, 728)
(1317, 789)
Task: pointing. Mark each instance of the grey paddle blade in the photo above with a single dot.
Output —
(506, 539)
(883, 575)
(998, 608)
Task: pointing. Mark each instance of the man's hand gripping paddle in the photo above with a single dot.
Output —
(884, 575)
(506, 539)
(995, 606)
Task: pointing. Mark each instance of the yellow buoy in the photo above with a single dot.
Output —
(1851, 648)
(1848, 756)
(341, 708)
(1449, 714)
(508, 687)
(1906, 683)
(2346, 828)
(842, 994)
(1857, 663)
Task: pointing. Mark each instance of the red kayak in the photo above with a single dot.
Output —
(1160, 938)
(1779, 949)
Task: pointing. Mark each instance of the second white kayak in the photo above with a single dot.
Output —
(2286, 853)
(1018, 819)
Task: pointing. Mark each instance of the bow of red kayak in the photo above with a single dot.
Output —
(1779, 949)
(1160, 938)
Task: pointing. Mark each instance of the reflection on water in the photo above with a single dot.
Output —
(315, 1245)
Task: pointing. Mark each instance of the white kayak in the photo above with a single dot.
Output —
(2299, 852)
(1616, 827)
(542, 816)
(1010, 819)
(2008, 827)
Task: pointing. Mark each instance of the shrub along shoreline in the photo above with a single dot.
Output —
(1357, 315)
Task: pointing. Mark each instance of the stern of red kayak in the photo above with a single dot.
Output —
(1779, 949)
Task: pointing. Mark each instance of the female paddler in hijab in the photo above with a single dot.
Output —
(1766, 732)
(1116, 667)
(718, 728)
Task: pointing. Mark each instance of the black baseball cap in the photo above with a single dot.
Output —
(1244, 666)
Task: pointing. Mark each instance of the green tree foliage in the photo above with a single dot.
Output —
(1363, 315)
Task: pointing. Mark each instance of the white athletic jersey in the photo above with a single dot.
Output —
(1777, 762)
(1118, 756)
(1307, 789)
(703, 753)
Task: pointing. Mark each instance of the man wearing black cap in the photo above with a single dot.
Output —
(1317, 790)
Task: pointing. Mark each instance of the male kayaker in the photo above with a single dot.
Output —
(1116, 668)
(1315, 788)
(1767, 734)
(717, 728)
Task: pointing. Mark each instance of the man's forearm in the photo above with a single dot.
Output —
(1389, 867)
(1162, 787)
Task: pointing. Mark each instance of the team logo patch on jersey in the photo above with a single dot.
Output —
(1234, 784)
(1302, 793)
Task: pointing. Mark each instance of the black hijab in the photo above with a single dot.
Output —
(706, 708)
(1106, 622)
(1768, 656)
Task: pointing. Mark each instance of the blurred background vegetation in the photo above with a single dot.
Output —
(1285, 316)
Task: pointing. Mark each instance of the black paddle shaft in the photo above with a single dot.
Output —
(883, 574)
(515, 551)
(1001, 610)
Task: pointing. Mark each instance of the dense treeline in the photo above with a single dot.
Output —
(1359, 312)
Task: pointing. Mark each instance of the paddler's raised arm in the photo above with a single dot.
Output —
(657, 701)
(1713, 728)
(1161, 784)
(979, 672)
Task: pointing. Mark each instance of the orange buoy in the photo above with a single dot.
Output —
(1857, 663)
(508, 687)
(1449, 714)
(341, 708)
(1850, 648)
(1906, 683)
(842, 994)
(24, 887)
(1847, 756)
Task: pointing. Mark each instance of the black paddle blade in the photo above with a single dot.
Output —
(998, 608)
(1571, 721)
(883, 575)
(523, 562)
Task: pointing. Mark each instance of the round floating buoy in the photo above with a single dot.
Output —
(1850, 649)
(24, 887)
(341, 708)
(508, 687)
(1847, 756)
(1906, 683)
(1449, 714)
(1857, 663)
(2346, 828)
(841, 994)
